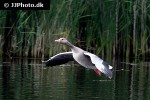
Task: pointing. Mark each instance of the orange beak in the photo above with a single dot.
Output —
(58, 41)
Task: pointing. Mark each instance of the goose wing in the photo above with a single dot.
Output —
(59, 59)
(100, 64)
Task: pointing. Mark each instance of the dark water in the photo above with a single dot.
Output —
(26, 79)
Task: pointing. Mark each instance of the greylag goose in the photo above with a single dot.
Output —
(84, 58)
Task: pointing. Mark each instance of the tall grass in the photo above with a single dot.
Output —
(108, 28)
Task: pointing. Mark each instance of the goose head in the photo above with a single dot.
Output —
(64, 41)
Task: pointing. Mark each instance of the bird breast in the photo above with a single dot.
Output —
(83, 60)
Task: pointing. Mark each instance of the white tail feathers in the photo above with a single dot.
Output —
(110, 67)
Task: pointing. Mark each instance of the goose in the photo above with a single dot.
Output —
(84, 58)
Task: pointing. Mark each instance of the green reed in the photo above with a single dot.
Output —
(108, 28)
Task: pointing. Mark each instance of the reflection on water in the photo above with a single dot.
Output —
(26, 79)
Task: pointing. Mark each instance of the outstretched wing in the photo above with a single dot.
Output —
(100, 64)
(59, 59)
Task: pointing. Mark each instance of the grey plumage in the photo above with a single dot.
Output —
(84, 58)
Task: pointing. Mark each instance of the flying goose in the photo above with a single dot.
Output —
(84, 58)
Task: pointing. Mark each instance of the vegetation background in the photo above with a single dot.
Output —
(109, 28)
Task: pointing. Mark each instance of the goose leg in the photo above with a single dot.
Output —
(98, 72)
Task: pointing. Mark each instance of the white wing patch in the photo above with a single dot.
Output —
(96, 60)
(100, 65)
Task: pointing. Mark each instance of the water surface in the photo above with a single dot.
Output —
(28, 79)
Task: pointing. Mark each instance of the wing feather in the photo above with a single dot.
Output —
(59, 59)
(100, 64)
